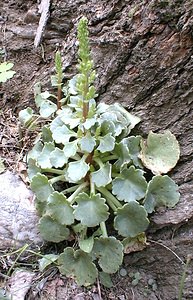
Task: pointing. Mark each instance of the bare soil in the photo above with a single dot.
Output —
(143, 53)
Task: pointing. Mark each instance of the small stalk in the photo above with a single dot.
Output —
(103, 229)
(92, 187)
(81, 187)
(70, 189)
(110, 157)
(182, 281)
(56, 179)
(110, 197)
(54, 171)
(99, 162)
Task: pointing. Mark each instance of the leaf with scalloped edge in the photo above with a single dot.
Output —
(79, 265)
(32, 168)
(130, 186)
(87, 143)
(102, 177)
(131, 219)
(160, 152)
(47, 108)
(77, 170)
(134, 148)
(5, 72)
(44, 157)
(36, 151)
(58, 158)
(59, 209)
(109, 252)
(123, 156)
(107, 143)
(161, 191)
(86, 245)
(91, 210)
(62, 134)
(70, 148)
(52, 231)
(41, 187)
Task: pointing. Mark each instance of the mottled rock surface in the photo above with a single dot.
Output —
(18, 221)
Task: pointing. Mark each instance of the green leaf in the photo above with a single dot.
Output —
(89, 123)
(5, 72)
(33, 168)
(77, 170)
(122, 152)
(87, 244)
(131, 219)
(161, 191)
(52, 231)
(47, 260)
(133, 144)
(59, 209)
(109, 251)
(105, 279)
(43, 159)
(46, 134)
(2, 167)
(107, 143)
(91, 210)
(130, 186)
(70, 148)
(62, 134)
(47, 108)
(58, 158)
(102, 177)
(41, 187)
(131, 119)
(87, 143)
(40, 98)
(35, 152)
(72, 85)
(160, 152)
(79, 265)
(26, 116)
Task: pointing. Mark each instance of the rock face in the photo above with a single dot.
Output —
(18, 221)
(143, 54)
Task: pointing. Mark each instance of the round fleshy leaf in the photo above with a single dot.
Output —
(33, 168)
(60, 209)
(44, 157)
(26, 116)
(130, 186)
(87, 143)
(133, 144)
(131, 219)
(62, 134)
(102, 177)
(91, 210)
(160, 152)
(35, 152)
(161, 191)
(109, 251)
(58, 158)
(77, 170)
(70, 148)
(79, 265)
(107, 143)
(87, 244)
(41, 187)
(52, 231)
(123, 155)
(47, 108)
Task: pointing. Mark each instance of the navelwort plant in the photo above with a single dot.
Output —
(95, 183)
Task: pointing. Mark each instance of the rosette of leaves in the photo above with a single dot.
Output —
(93, 179)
